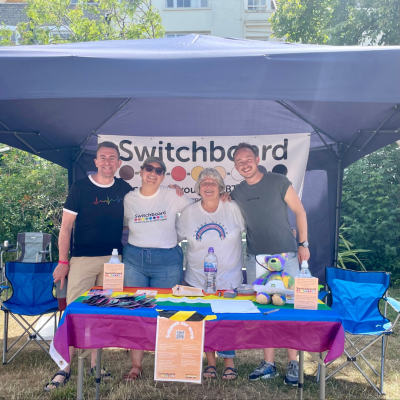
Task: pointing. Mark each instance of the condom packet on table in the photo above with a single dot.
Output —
(100, 292)
(179, 290)
(147, 303)
(147, 293)
(91, 300)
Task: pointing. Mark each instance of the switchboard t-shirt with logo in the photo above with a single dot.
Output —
(151, 219)
(222, 230)
(99, 211)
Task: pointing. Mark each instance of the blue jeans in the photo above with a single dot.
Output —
(152, 267)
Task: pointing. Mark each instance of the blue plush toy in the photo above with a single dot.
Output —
(275, 277)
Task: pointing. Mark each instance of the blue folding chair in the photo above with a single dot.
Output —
(32, 295)
(355, 297)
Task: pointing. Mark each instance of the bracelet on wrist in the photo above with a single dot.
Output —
(63, 262)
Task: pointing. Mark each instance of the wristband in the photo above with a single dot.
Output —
(63, 262)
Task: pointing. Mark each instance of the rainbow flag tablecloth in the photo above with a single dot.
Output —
(89, 327)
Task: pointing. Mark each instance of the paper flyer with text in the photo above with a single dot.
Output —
(113, 277)
(306, 293)
(179, 350)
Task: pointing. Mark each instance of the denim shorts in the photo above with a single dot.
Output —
(226, 354)
(152, 267)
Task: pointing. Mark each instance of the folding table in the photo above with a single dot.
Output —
(90, 327)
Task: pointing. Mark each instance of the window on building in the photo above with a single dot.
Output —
(62, 34)
(177, 34)
(187, 3)
(172, 35)
(259, 38)
(258, 5)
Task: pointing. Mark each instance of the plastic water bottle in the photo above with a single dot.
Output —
(304, 271)
(210, 272)
(114, 257)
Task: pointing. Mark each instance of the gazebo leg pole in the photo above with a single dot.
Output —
(301, 374)
(79, 387)
(338, 203)
(98, 374)
(322, 377)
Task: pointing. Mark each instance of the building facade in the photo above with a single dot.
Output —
(245, 19)
(241, 19)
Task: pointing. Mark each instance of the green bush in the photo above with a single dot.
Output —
(371, 209)
(32, 195)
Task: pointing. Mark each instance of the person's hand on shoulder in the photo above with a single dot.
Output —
(225, 197)
(178, 189)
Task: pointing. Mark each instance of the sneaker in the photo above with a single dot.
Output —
(265, 370)
(292, 374)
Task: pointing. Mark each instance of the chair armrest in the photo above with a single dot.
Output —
(9, 247)
(10, 250)
(393, 303)
(3, 288)
(44, 252)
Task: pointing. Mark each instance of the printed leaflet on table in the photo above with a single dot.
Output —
(306, 293)
(179, 350)
(113, 277)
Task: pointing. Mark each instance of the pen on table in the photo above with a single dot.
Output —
(269, 312)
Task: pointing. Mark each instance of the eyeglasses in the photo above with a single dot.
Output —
(150, 168)
(212, 184)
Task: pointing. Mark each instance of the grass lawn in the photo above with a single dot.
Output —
(25, 377)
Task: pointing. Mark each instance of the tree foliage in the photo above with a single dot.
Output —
(371, 209)
(338, 22)
(32, 194)
(57, 21)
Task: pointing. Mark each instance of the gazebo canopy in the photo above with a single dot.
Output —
(54, 100)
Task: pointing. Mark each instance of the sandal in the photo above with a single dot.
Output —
(210, 370)
(57, 385)
(103, 373)
(133, 376)
(230, 376)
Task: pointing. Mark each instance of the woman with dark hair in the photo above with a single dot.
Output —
(152, 256)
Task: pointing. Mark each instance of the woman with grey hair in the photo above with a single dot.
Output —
(212, 223)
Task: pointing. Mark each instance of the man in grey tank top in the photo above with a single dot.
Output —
(263, 199)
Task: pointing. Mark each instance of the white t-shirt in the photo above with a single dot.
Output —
(221, 230)
(151, 219)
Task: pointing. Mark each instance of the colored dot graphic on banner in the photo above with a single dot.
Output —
(126, 172)
(196, 172)
(178, 174)
(235, 175)
(221, 171)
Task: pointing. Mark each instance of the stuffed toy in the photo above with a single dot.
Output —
(274, 277)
